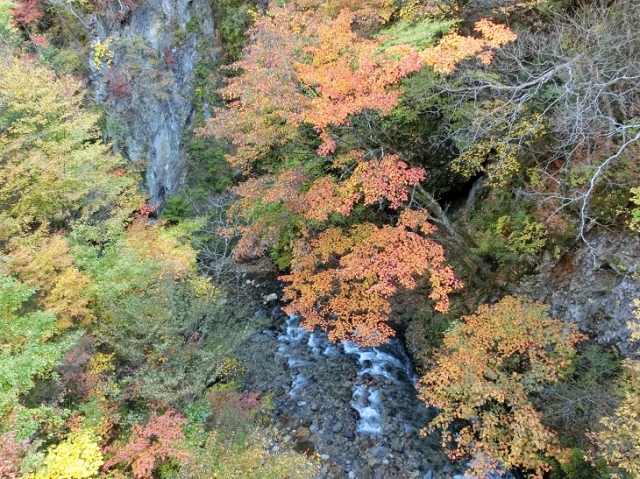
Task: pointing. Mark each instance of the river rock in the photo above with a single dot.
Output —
(361, 405)
(270, 297)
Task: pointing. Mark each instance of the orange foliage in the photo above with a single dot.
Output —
(303, 66)
(371, 181)
(488, 365)
(342, 281)
(325, 196)
(348, 75)
(45, 262)
(307, 63)
(258, 233)
(454, 47)
(264, 101)
(69, 298)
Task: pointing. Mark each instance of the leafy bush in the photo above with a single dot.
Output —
(150, 445)
(234, 17)
(77, 457)
(222, 456)
(578, 467)
(28, 349)
(585, 395)
(169, 339)
(634, 220)
(506, 231)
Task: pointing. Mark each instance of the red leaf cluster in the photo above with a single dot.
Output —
(11, 454)
(150, 444)
(27, 14)
(117, 84)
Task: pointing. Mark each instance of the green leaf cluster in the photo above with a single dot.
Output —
(29, 349)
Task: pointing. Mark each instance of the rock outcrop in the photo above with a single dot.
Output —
(146, 82)
(593, 286)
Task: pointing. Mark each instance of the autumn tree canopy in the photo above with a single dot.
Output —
(482, 379)
(308, 66)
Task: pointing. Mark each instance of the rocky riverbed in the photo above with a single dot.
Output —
(356, 408)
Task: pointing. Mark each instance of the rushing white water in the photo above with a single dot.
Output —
(382, 393)
(368, 405)
(378, 363)
(375, 367)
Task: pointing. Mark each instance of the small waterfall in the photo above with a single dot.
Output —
(379, 370)
(356, 407)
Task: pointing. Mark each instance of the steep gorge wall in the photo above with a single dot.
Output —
(146, 82)
(593, 286)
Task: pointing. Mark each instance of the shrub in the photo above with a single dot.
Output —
(150, 445)
(117, 84)
(77, 457)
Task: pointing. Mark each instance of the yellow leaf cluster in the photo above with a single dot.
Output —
(44, 261)
(77, 457)
(102, 53)
(148, 241)
(101, 363)
(453, 48)
(619, 440)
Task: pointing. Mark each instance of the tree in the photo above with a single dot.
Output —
(54, 169)
(77, 457)
(26, 14)
(150, 444)
(309, 66)
(54, 172)
(342, 281)
(482, 378)
(619, 439)
(304, 67)
(618, 442)
(29, 351)
(560, 106)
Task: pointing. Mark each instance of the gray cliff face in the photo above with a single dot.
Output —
(593, 286)
(148, 84)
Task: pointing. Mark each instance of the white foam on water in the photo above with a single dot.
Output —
(297, 363)
(378, 363)
(372, 361)
(316, 344)
(299, 382)
(331, 351)
(369, 414)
